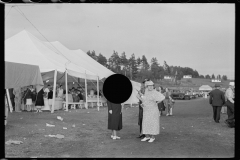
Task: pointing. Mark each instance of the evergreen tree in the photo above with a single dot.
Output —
(145, 64)
(201, 76)
(224, 77)
(115, 62)
(102, 60)
(124, 63)
(139, 63)
(155, 68)
(133, 67)
(207, 77)
(213, 77)
(123, 59)
(166, 68)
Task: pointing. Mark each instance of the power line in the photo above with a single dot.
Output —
(40, 33)
(8, 12)
(19, 10)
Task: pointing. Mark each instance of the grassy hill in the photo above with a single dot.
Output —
(200, 81)
(193, 83)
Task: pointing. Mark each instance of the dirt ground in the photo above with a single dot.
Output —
(190, 132)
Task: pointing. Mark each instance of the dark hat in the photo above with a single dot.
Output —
(217, 85)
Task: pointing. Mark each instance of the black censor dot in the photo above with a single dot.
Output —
(117, 88)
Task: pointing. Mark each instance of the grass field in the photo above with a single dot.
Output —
(190, 132)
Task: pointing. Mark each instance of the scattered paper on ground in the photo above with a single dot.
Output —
(83, 124)
(60, 118)
(13, 142)
(73, 125)
(50, 125)
(57, 136)
(64, 128)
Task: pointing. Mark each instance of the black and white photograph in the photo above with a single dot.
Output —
(69, 69)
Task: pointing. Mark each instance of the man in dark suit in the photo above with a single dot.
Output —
(140, 115)
(217, 100)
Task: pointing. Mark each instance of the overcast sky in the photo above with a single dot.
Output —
(200, 36)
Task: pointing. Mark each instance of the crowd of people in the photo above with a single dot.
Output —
(218, 99)
(30, 98)
(152, 102)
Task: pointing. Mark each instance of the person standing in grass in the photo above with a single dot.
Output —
(50, 97)
(161, 106)
(39, 98)
(217, 100)
(140, 115)
(114, 118)
(230, 99)
(151, 118)
(17, 93)
(168, 102)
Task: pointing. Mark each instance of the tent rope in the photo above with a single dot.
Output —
(40, 33)
(8, 12)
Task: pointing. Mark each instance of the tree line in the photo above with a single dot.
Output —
(138, 68)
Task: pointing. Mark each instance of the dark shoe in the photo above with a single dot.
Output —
(217, 121)
(143, 136)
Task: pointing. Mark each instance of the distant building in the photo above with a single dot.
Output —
(167, 77)
(187, 76)
(216, 80)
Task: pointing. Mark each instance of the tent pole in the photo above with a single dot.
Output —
(98, 93)
(66, 90)
(54, 90)
(86, 105)
(9, 101)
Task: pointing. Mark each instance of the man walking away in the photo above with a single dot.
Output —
(229, 94)
(217, 100)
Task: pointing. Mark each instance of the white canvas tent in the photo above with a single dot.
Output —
(25, 48)
(17, 75)
(81, 58)
(205, 88)
(133, 98)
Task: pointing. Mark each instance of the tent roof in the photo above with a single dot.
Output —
(19, 75)
(80, 58)
(27, 49)
(205, 87)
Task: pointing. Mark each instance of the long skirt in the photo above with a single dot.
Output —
(151, 120)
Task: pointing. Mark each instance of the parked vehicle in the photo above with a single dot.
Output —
(179, 95)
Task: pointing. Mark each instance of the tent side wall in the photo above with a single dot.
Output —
(18, 75)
